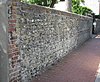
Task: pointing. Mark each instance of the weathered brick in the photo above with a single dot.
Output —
(10, 29)
(12, 21)
(12, 25)
(14, 57)
(14, 3)
(15, 81)
(13, 16)
(13, 47)
(14, 12)
(11, 54)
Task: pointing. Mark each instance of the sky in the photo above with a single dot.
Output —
(93, 5)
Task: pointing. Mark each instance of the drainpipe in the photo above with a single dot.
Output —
(94, 24)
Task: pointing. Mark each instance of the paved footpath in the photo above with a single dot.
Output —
(82, 65)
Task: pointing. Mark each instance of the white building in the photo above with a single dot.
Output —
(60, 6)
(64, 5)
(93, 5)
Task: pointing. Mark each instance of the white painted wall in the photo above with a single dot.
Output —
(64, 6)
(60, 6)
(93, 5)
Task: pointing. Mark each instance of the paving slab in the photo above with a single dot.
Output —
(82, 65)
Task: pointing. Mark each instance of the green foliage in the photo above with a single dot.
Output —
(76, 8)
(38, 2)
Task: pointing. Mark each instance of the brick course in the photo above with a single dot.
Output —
(14, 57)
